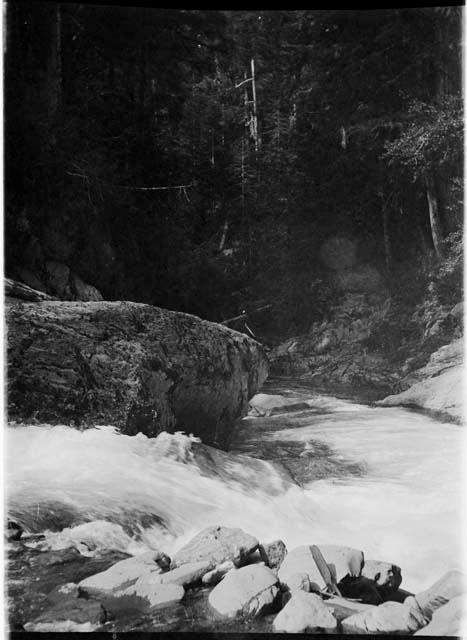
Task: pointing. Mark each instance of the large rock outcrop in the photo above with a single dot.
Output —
(132, 365)
(438, 386)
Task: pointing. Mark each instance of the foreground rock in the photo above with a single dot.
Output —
(390, 617)
(151, 592)
(264, 404)
(273, 553)
(213, 577)
(216, 545)
(449, 586)
(68, 616)
(438, 386)
(186, 575)
(448, 620)
(248, 591)
(305, 613)
(138, 367)
(341, 561)
(122, 574)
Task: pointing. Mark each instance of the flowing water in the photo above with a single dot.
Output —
(384, 480)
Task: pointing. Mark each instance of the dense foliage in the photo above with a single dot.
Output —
(199, 160)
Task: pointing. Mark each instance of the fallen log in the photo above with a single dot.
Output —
(135, 366)
(20, 291)
(245, 315)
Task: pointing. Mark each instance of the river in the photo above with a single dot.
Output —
(384, 480)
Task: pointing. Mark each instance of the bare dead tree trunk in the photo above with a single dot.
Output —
(255, 113)
(224, 234)
(59, 56)
(385, 215)
(387, 238)
(435, 218)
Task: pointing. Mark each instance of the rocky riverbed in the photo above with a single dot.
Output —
(221, 579)
(365, 346)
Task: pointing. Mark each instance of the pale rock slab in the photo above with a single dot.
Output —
(449, 586)
(216, 545)
(305, 613)
(299, 582)
(448, 620)
(389, 617)
(122, 574)
(214, 576)
(342, 561)
(246, 591)
(185, 575)
(156, 594)
(264, 404)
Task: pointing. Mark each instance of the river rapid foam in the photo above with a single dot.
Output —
(132, 493)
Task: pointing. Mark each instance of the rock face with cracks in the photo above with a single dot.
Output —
(135, 366)
(122, 574)
(341, 561)
(438, 386)
(249, 591)
(390, 617)
(216, 545)
(305, 613)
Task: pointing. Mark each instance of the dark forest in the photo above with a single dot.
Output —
(200, 160)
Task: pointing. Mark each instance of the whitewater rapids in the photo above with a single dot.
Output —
(137, 493)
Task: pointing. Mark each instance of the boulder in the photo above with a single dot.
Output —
(448, 620)
(263, 404)
(138, 367)
(186, 575)
(386, 576)
(342, 561)
(390, 617)
(449, 586)
(70, 615)
(214, 576)
(438, 386)
(299, 582)
(305, 613)
(122, 574)
(342, 608)
(273, 553)
(458, 311)
(90, 538)
(248, 591)
(216, 545)
(153, 594)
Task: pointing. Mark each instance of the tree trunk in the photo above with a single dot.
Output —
(16, 291)
(255, 113)
(138, 367)
(435, 218)
(224, 234)
(387, 238)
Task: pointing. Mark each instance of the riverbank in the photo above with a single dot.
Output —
(365, 349)
(223, 579)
